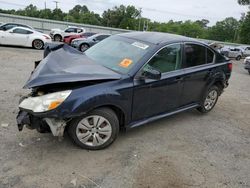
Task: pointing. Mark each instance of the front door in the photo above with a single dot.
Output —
(17, 37)
(154, 97)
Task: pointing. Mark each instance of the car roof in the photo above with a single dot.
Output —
(157, 37)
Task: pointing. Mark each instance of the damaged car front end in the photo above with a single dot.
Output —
(59, 88)
(33, 114)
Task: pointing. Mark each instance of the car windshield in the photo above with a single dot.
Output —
(118, 53)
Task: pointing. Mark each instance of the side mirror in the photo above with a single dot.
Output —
(152, 74)
(94, 39)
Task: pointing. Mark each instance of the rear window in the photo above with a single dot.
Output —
(196, 55)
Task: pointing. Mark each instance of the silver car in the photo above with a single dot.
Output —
(232, 52)
(82, 44)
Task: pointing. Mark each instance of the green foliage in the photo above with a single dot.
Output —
(245, 30)
(121, 17)
(225, 30)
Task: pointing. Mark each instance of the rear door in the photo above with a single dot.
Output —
(197, 66)
(154, 97)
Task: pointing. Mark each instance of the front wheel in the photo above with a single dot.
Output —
(210, 99)
(57, 38)
(83, 47)
(95, 130)
(38, 44)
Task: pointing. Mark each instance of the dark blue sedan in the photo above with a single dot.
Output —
(122, 82)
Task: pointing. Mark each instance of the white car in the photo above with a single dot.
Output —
(58, 34)
(246, 50)
(247, 64)
(21, 36)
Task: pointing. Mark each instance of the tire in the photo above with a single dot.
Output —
(83, 47)
(238, 58)
(38, 44)
(95, 130)
(58, 38)
(210, 99)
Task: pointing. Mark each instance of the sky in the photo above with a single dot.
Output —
(156, 10)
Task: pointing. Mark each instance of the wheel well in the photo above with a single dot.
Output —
(35, 40)
(84, 43)
(220, 85)
(58, 35)
(120, 114)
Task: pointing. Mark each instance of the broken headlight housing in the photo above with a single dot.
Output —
(46, 102)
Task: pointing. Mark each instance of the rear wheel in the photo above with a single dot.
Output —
(210, 99)
(38, 44)
(57, 38)
(238, 58)
(83, 47)
(95, 130)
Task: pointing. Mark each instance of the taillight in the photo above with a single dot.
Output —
(230, 66)
(46, 37)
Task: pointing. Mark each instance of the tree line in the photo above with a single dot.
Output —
(129, 17)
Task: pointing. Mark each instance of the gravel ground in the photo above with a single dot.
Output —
(185, 150)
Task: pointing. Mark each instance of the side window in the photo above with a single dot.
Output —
(195, 55)
(101, 37)
(22, 31)
(79, 30)
(168, 59)
(210, 56)
(70, 30)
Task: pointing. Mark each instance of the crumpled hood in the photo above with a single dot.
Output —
(66, 65)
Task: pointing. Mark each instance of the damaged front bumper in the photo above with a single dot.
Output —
(41, 124)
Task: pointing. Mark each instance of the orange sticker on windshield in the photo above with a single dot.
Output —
(125, 63)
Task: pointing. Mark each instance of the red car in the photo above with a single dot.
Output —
(68, 39)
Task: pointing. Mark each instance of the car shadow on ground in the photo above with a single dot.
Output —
(49, 142)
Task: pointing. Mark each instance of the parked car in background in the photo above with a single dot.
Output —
(247, 64)
(58, 34)
(22, 36)
(68, 39)
(232, 52)
(124, 81)
(85, 43)
(245, 50)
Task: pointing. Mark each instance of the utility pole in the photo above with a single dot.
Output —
(45, 6)
(56, 2)
(139, 27)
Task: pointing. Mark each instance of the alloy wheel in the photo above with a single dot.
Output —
(38, 44)
(94, 130)
(84, 47)
(211, 99)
